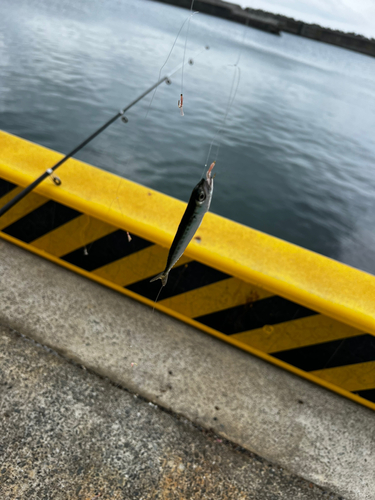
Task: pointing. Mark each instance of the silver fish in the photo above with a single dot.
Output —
(199, 203)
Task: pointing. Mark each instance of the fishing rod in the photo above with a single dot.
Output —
(49, 171)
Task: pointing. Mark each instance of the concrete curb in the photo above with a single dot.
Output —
(67, 433)
(315, 434)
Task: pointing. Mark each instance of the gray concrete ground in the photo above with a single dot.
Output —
(67, 433)
(311, 432)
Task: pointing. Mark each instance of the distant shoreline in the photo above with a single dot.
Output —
(276, 23)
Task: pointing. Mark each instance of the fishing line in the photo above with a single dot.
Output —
(190, 61)
(230, 100)
(170, 53)
(334, 353)
(159, 292)
(229, 105)
(49, 171)
(242, 42)
(133, 147)
(186, 39)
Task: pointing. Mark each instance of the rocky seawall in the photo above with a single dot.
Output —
(231, 12)
(349, 41)
(275, 23)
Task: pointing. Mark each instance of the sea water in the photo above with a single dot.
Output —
(297, 153)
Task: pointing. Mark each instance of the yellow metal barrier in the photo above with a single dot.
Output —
(299, 310)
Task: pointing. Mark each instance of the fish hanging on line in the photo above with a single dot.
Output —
(199, 203)
(181, 104)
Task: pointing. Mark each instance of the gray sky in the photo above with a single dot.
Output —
(346, 15)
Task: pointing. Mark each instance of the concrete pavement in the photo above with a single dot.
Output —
(67, 433)
(303, 428)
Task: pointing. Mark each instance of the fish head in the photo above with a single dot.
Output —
(203, 191)
(200, 193)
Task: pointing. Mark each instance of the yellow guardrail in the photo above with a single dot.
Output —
(274, 299)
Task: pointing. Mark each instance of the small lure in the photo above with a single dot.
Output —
(198, 205)
(181, 104)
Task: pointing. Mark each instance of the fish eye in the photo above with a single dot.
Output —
(201, 196)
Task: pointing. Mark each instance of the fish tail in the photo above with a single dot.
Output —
(161, 276)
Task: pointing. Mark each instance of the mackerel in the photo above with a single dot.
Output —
(199, 204)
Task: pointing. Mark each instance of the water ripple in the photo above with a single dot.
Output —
(297, 155)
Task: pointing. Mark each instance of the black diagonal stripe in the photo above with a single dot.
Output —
(181, 279)
(269, 311)
(340, 352)
(5, 187)
(368, 394)
(41, 221)
(105, 250)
